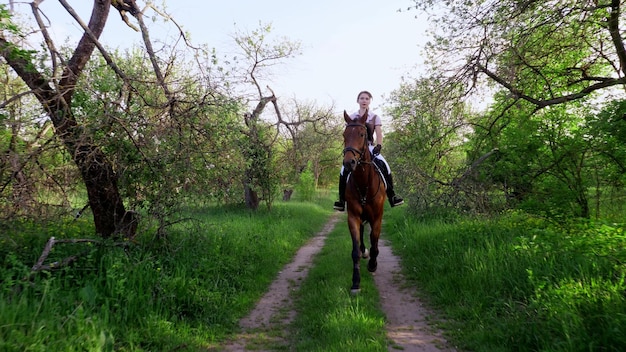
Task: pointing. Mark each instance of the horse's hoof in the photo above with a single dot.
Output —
(372, 267)
(354, 291)
(366, 254)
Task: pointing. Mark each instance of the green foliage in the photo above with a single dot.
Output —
(306, 184)
(425, 148)
(553, 153)
(565, 161)
(520, 282)
(186, 293)
(312, 129)
(189, 152)
(260, 167)
(7, 26)
(607, 131)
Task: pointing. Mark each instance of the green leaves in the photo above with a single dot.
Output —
(6, 22)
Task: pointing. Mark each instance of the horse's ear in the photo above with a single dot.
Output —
(347, 117)
(363, 118)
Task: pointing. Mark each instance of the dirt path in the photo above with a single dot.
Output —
(407, 318)
(407, 326)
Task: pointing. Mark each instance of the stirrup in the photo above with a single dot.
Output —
(395, 201)
(339, 205)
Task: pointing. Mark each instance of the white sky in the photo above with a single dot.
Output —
(347, 45)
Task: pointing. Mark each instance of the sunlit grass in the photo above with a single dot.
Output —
(184, 293)
(514, 283)
(520, 283)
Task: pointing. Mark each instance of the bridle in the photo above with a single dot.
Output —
(355, 151)
(361, 153)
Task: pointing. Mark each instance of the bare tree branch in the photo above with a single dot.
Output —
(48, 40)
(609, 82)
(616, 35)
(145, 34)
(90, 36)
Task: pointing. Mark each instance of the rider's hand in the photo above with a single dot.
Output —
(377, 149)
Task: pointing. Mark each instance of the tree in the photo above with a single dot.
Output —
(543, 158)
(260, 54)
(543, 52)
(546, 61)
(84, 111)
(310, 134)
(429, 125)
(55, 92)
(167, 154)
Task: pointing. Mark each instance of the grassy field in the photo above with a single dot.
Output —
(518, 282)
(512, 283)
(185, 294)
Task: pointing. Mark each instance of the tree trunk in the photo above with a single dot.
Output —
(257, 161)
(251, 197)
(107, 206)
(97, 174)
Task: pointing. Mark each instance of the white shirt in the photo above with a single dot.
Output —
(372, 118)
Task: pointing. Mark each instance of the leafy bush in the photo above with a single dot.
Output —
(306, 184)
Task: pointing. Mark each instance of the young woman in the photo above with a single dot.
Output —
(364, 99)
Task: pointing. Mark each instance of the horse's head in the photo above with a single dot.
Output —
(354, 140)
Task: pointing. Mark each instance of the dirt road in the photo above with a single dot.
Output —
(407, 318)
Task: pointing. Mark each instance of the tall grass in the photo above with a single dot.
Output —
(185, 293)
(513, 283)
(520, 283)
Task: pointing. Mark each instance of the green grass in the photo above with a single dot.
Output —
(520, 283)
(329, 317)
(512, 283)
(186, 293)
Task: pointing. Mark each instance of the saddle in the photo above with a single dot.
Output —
(381, 169)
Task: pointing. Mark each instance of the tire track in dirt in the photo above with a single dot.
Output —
(261, 328)
(264, 329)
(407, 318)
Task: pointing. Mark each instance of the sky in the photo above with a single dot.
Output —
(347, 46)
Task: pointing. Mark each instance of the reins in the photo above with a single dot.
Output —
(354, 150)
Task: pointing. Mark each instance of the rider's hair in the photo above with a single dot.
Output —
(364, 92)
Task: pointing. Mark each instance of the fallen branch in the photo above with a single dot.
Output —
(39, 266)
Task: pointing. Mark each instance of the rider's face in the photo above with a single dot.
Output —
(364, 100)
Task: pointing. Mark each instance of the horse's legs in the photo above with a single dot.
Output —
(364, 252)
(356, 271)
(355, 229)
(372, 265)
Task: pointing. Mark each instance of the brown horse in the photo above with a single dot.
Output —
(365, 195)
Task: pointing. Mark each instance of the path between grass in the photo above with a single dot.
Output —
(407, 324)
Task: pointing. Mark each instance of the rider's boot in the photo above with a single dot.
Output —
(341, 203)
(394, 199)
